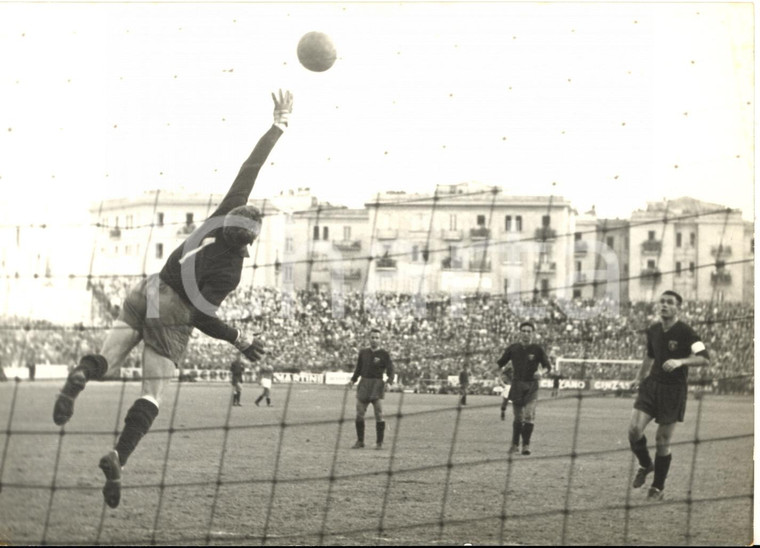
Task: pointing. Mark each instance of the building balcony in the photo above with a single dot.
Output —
(651, 246)
(347, 245)
(720, 277)
(115, 233)
(451, 235)
(545, 233)
(348, 273)
(451, 264)
(480, 233)
(546, 267)
(581, 247)
(721, 251)
(387, 233)
(385, 263)
(480, 266)
(650, 275)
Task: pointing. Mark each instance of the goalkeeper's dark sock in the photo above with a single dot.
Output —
(380, 431)
(516, 431)
(527, 431)
(136, 424)
(360, 430)
(661, 468)
(639, 449)
(94, 366)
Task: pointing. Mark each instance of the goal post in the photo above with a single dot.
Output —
(594, 374)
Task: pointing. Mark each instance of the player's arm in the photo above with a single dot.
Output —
(242, 186)
(357, 370)
(389, 370)
(543, 362)
(698, 357)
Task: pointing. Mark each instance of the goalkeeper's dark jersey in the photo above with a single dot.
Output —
(217, 265)
(680, 341)
(371, 364)
(525, 360)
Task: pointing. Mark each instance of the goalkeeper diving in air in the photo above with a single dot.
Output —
(163, 309)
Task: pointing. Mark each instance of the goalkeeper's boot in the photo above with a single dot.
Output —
(655, 494)
(112, 470)
(641, 476)
(64, 404)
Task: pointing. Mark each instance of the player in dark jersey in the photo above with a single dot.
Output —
(672, 346)
(372, 364)
(236, 378)
(525, 357)
(163, 309)
(464, 383)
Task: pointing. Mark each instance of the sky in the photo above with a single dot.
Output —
(607, 104)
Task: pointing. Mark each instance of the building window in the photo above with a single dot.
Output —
(160, 218)
(316, 233)
(692, 239)
(576, 293)
(650, 264)
(325, 233)
(578, 236)
(546, 221)
(578, 266)
(116, 222)
(159, 251)
(650, 236)
(346, 233)
(287, 272)
(692, 268)
(415, 253)
(288, 245)
(188, 218)
(544, 288)
(481, 220)
(678, 268)
(611, 242)
(129, 222)
(452, 222)
(508, 224)
(678, 239)
(518, 223)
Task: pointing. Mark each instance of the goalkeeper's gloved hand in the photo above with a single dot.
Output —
(283, 106)
(251, 348)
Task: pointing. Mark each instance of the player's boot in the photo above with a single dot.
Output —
(514, 449)
(64, 404)
(526, 450)
(655, 494)
(112, 470)
(641, 476)
(358, 445)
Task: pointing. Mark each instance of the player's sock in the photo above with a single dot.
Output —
(136, 424)
(527, 431)
(380, 431)
(258, 400)
(639, 449)
(661, 468)
(516, 430)
(360, 430)
(94, 366)
(269, 402)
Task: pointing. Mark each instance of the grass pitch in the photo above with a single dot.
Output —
(208, 473)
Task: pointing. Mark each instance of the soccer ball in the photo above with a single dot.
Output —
(316, 51)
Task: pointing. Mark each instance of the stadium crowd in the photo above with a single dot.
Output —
(429, 337)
